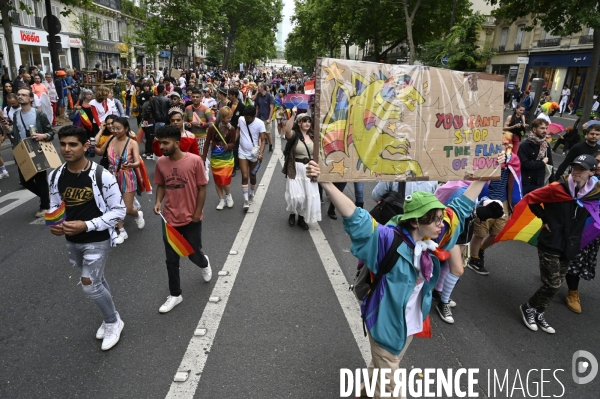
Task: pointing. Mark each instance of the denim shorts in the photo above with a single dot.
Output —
(63, 102)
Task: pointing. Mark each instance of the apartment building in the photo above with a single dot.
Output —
(523, 56)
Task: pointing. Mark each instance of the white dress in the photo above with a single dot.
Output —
(302, 194)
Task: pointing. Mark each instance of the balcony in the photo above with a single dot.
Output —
(38, 22)
(501, 49)
(549, 42)
(489, 22)
(517, 47)
(16, 17)
(586, 39)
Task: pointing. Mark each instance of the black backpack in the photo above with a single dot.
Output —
(390, 205)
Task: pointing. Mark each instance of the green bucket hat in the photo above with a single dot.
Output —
(419, 203)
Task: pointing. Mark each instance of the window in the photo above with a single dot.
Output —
(589, 31)
(115, 30)
(105, 30)
(98, 30)
(27, 19)
(548, 35)
(520, 34)
(56, 11)
(111, 32)
(504, 37)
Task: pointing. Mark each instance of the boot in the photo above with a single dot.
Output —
(331, 212)
(302, 223)
(573, 301)
(359, 204)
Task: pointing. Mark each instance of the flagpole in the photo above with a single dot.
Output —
(161, 215)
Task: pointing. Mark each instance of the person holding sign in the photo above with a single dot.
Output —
(403, 296)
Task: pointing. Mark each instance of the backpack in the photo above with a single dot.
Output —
(363, 285)
(390, 205)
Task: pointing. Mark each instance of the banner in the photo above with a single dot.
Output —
(299, 101)
(404, 122)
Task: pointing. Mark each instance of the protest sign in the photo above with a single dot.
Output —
(403, 122)
(299, 101)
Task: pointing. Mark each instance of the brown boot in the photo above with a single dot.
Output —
(573, 301)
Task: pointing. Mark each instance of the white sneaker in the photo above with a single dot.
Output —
(251, 198)
(229, 201)
(112, 334)
(206, 271)
(100, 332)
(136, 204)
(246, 205)
(121, 237)
(140, 220)
(3, 175)
(221, 205)
(171, 302)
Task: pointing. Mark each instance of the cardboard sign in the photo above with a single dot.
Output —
(33, 157)
(403, 122)
(175, 73)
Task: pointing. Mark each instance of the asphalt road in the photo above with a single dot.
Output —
(284, 325)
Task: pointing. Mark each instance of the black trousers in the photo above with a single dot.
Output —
(149, 135)
(192, 232)
(38, 185)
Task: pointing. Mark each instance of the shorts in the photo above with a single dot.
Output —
(63, 102)
(248, 157)
(491, 226)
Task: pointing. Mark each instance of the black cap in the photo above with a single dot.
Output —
(585, 161)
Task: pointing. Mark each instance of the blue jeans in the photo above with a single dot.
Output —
(91, 259)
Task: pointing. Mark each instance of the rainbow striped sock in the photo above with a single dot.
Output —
(245, 191)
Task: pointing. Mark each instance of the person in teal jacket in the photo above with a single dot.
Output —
(401, 301)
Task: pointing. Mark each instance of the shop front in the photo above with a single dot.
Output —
(557, 70)
(107, 54)
(76, 52)
(511, 67)
(31, 48)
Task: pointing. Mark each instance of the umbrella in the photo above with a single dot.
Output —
(555, 128)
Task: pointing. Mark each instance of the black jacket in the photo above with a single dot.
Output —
(532, 170)
(159, 107)
(566, 221)
(575, 151)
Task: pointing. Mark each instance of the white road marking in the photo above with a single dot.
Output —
(17, 197)
(198, 349)
(9, 163)
(338, 281)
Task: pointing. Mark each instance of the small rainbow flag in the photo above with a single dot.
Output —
(175, 239)
(57, 216)
(85, 120)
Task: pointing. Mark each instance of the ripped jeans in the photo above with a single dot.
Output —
(91, 259)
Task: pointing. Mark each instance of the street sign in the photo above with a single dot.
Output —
(444, 60)
(522, 60)
(57, 26)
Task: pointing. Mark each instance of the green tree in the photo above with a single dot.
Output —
(87, 30)
(460, 45)
(561, 18)
(8, 6)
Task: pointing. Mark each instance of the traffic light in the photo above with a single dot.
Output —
(57, 42)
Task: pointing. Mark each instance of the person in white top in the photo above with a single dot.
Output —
(596, 104)
(182, 82)
(101, 108)
(208, 101)
(159, 73)
(564, 99)
(250, 132)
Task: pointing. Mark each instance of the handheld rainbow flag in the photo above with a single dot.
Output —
(85, 120)
(175, 239)
(57, 216)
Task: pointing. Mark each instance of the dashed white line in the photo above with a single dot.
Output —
(198, 349)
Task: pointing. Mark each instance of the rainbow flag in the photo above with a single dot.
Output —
(85, 120)
(175, 239)
(524, 226)
(57, 216)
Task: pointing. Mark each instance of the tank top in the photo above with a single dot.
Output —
(516, 131)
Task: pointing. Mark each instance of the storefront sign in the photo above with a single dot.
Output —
(164, 54)
(579, 59)
(522, 60)
(103, 47)
(75, 42)
(32, 37)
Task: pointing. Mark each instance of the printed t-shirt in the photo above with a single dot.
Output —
(78, 194)
(181, 180)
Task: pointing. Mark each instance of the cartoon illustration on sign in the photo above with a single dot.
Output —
(356, 118)
(404, 122)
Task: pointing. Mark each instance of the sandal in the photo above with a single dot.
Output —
(302, 223)
(292, 219)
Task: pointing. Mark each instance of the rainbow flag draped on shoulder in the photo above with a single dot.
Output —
(524, 226)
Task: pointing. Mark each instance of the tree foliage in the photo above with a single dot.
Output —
(561, 18)
(323, 27)
(460, 45)
(87, 28)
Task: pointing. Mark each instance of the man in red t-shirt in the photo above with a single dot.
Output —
(181, 181)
